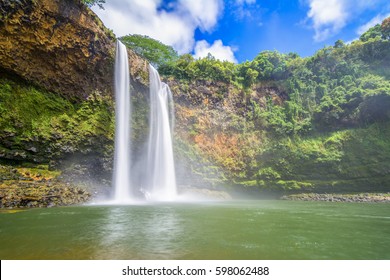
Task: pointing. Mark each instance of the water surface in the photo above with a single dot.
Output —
(226, 230)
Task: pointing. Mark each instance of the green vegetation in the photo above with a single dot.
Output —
(38, 125)
(157, 53)
(202, 171)
(351, 159)
(34, 185)
(322, 124)
(91, 3)
(386, 28)
(338, 87)
(208, 68)
(279, 123)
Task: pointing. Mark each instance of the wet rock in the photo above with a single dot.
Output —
(24, 192)
(366, 197)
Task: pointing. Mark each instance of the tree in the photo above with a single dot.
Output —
(373, 32)
(179, 68)
(270, 65)
(385, 27)
(156, 52)
(339, 44)
(91, 3)
(247, 73)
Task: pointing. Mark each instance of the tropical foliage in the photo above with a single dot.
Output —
(328, 129)
(338, 87)
(156, 52)
(90, 3)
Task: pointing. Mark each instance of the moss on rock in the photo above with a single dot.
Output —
(35, 186)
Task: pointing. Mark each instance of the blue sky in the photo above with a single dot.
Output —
(237, 30)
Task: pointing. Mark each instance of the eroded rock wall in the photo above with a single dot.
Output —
(62, 46)
(56, 91)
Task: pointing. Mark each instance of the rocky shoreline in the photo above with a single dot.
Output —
(33, 187)
(360, 197)
(36, 186)
(41, 194)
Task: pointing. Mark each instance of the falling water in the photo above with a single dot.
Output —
(162, 181)
(159, 184)
(121, 176)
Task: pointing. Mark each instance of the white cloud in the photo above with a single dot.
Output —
(374, 21)
(328, 17)
(217, 49)
(204, 12)
(174, 26)
(245, 9)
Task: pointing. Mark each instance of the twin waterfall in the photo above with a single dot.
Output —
(160, 153)
(122, 160)
(159, 184)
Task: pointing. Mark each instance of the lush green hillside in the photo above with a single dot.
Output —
(280, 123)
(348, 160)
(283, 122)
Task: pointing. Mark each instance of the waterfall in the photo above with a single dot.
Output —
(161, 168)
(122, 159)
(159, 182)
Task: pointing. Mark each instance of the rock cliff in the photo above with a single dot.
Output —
(57, 114)
(56, 99)
(61, 46)
(219, 121)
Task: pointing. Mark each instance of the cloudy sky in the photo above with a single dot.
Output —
(237, 30)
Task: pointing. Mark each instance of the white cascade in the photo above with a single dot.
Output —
(161, 182)
(122, 160)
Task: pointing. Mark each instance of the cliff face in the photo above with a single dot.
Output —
(60, 46)
(56, 108)
(56, 90)
(221, 130)
(64, 48)
(219, 122)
